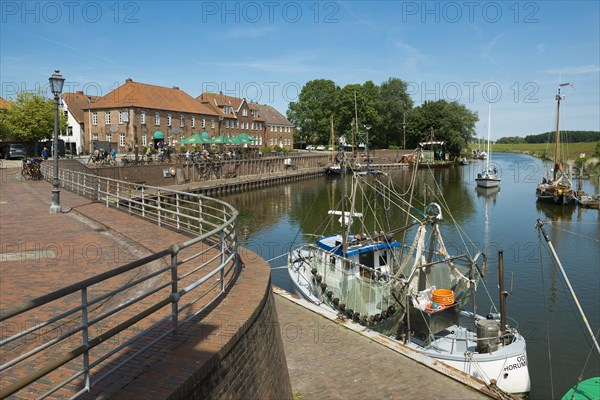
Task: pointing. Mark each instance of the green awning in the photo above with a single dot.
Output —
(158, 135)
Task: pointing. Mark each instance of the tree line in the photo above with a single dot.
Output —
(386, 112)
(572, 136)
(30, 118)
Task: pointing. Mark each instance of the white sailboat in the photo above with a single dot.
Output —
(488, 178)
(414, 293)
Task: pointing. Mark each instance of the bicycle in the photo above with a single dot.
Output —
(32, 169)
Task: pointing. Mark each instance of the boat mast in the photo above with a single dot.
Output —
(503, 293)
(355, 125)
(556, 163)
(540, 226)
(332, 147)
(489, 129)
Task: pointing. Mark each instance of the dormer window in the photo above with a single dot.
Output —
(245, 112)
(228, 110)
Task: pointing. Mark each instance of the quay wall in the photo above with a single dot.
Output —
(301, 164)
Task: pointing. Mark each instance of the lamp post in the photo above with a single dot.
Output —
(56, 86)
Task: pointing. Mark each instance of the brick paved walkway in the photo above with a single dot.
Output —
(328, 361)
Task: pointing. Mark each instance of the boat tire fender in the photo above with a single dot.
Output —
(336, 301)
(342, 307)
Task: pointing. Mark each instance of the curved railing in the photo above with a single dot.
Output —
(69, 340)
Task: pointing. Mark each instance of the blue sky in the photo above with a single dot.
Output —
(267, 50)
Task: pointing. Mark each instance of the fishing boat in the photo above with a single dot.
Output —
(488, 178)
(414, 292)
(556, 188)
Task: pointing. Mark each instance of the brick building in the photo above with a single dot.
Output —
(279, 131)
(237, 116)
(139, 114)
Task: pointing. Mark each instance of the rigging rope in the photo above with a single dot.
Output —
(546, 315)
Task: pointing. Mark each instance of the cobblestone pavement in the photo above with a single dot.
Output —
(328, 361)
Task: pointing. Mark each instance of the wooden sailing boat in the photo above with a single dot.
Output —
(488, 178)
(558, 188)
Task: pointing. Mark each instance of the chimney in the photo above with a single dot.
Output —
(176, 87)
(80, 92)
(128, 80)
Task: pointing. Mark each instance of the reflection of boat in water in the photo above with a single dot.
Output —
(414, 292)
(487, 192)
(550, 211)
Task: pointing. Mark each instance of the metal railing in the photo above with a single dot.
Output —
(77, 336)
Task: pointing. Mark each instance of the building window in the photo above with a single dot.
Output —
(94, 118)
(143, 117)
(193, 121)
(69, 131)
(122, 139)
(107, 117)
(120, 117)
(227, 110)
(252, 126)
(95, 137)
(108, 137)
(168, 119)
(156, 119)
(144, 139)
(204, 122)
(237, 124)
(181, 120)
(212, 123)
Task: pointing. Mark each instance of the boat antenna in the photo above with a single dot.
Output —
(540, 226)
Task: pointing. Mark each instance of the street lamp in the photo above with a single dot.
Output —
(56, 86)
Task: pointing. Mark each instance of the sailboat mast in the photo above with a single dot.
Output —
(355, 124)
(332, 148)
(489, 129)
(557, 135)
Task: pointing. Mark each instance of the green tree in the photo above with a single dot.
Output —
(365, 98)
(313, 110)
(392, 104)
(450, 122)
(31, 117)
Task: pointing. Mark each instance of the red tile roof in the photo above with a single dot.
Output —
(272, 116)
(4, 105)
(77, 103)
(220, 100)
(142, 95)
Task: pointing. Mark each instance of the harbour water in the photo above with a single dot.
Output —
(276, 219)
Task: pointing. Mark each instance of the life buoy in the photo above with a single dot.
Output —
(172, 171)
